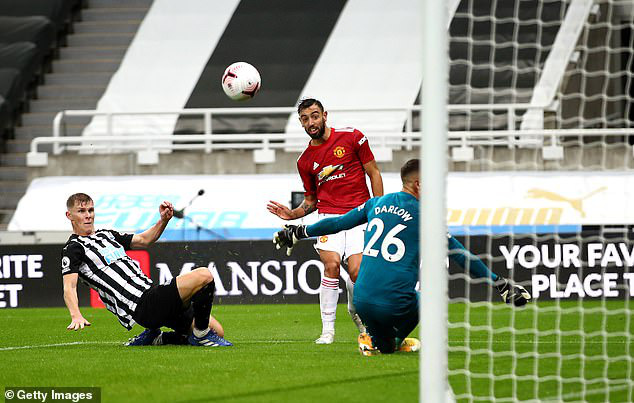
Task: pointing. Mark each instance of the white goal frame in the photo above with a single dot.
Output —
(433, 240)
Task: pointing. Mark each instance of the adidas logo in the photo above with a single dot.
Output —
(315, 165)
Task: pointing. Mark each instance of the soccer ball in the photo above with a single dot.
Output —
(241, 81)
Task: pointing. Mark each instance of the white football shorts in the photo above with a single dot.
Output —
(346, 243)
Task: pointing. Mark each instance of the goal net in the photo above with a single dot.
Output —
(541, 173)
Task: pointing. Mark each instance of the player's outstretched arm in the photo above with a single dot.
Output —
(477, 269)
(306, 207)
(291, 234)
(332, 225)
(511, 293)
(152, 234)
(77, 321)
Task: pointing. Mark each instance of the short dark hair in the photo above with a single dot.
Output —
(307, 103)
(77, 197)
(409, 168)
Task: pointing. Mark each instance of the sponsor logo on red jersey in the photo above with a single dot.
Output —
(333, 177)
(327, 171)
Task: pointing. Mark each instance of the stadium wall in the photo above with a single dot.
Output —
(578, 154)
(183, 163)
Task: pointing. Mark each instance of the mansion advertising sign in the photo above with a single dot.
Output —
(594, 263)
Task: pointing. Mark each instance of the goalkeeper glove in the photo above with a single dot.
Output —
(288, 237)
(513, 293)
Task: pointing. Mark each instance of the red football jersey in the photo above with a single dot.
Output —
(333, 171)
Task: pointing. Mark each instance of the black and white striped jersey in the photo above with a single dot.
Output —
(101, 262)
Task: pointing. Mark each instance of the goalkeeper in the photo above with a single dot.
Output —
(385, 294)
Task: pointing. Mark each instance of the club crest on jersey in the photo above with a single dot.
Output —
(323, 239)
(339, 151)
(328, 171)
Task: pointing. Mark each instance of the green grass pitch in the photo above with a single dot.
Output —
(570, 351)
(275, 360)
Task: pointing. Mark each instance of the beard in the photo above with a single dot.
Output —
(319, 134)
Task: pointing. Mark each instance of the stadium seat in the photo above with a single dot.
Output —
(35, 29)
(5, 114)
(19, 63)
(57, 11)
(11, 84)
(23, 56)
(30, 31)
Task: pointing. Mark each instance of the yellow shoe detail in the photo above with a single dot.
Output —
(365, 345)
(410, 345)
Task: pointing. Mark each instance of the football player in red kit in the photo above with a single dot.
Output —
(333, 169)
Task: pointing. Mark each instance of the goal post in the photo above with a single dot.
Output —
(548, 204)
(433, 240)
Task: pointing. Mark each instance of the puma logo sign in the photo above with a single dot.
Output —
(576, 204)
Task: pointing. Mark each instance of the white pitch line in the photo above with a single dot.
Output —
(461, 342)
(75, 343)
(79, 343)
(280, 341)
(483, 341)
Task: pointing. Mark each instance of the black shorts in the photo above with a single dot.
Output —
(161, 305)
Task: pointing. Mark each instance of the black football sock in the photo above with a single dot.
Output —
(201, 302)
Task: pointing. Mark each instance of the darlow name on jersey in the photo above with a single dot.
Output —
(399, 211)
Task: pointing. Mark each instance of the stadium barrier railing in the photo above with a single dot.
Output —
(460, 142)
(208, 113)
(265, 144)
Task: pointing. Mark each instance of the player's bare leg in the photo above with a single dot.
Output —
(192, 282)
(216, 326)
(354, 262)
(329, 295)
